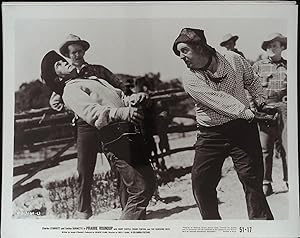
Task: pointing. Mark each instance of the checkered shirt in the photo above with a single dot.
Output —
(273, 76)
(221, 97)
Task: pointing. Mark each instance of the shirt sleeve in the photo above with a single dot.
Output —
(219, 101)
(85, 107)
(111, 78)
(252, 83)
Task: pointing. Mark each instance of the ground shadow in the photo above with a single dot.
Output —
(28, 168)
(172, 173)
(282, 191)
(162, 213)
(20, 189)
(170, 199)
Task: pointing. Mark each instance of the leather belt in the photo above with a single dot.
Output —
(115, 131)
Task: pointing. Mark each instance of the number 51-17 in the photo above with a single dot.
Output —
(245, 229)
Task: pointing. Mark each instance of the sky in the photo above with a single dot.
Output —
(134, 46)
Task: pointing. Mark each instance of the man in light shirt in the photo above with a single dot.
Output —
(226, 125)
(75, 48)
(102, 106)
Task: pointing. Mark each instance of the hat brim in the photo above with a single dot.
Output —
(64, 48)
(282, 40)
(234, 38)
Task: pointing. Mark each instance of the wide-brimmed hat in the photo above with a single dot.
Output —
(72, 39)
(190, 35)
(48, 73)
(227, 38)
(274, 37)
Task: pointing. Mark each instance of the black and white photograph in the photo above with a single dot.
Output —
(150, 119)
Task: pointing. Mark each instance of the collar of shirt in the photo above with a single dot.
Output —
(219, 75)
(81, 67)
(281, 62)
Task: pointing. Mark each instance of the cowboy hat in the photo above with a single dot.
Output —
(72, 39)
(274, 37)
(190, 35)
(227, 38)
(48, 73)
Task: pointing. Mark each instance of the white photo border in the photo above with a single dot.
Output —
(152, 10)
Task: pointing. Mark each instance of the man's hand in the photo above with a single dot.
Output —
(268, 109)
(131, 114)
(262, 117)
(56, 102)
(136, 115)
(139, 98)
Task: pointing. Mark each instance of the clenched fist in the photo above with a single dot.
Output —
(136, 115)
(131, 114)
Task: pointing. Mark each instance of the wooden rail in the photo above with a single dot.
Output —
(44, 127)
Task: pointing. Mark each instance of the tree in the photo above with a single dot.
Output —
(32, 95)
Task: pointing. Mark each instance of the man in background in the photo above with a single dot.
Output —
(272, 72)
(229, 42)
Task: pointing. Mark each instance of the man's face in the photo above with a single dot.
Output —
(76, 54)
(230, 45)
(64, 70)
(274, 48)
(192, 56)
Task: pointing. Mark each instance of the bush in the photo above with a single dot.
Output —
(32, 95)
(64, 195)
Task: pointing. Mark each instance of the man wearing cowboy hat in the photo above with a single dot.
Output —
(101, 106)
(74, 48)
(229, 42)
(272, 72)
(226, 125)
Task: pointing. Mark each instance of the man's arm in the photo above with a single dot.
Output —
(82, 105)
(252, 83)
(219, 101)
(104, 73)
(92, 112)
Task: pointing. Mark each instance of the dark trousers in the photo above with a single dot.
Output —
(275, 136)
(136, 187)
(137, 178)
(240, 140)
(88, 145)
(128, 156)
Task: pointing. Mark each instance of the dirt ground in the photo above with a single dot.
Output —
(178, 198)
(178, 201)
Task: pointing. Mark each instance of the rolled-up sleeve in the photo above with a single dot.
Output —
(87, 109)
